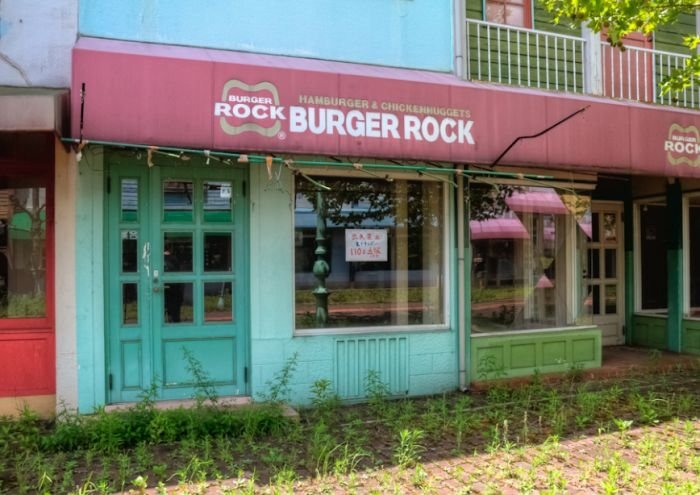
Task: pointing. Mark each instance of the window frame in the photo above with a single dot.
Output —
(575, 292)
(446, 273)
(686, 255)
(45, 179)
(637, 237)
(528, 14)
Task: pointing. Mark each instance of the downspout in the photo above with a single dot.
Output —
(462, 303)
(459, 39)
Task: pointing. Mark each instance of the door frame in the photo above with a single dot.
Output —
(115, 161)
(600, 206)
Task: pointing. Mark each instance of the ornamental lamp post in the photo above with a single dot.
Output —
(321, 268)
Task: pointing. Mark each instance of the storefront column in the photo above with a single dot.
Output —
(674, 260)
(628, 218)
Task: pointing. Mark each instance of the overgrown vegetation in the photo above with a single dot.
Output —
(500, 437)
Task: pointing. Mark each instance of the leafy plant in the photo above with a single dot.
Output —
(203, 385)
(409, 449)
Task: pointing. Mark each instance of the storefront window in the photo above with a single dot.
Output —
(376, 248)
(22, 251)
(653, 221)
(528, 244)
(694, 256)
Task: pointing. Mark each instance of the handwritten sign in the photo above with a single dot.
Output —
(366, 245)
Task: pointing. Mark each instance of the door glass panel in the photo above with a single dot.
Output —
(610, 263)
(218, 301)
(177, 201)
(610, 227)
(217, 252)
(596, 227)
(594, 263)
(130, 248)
(595, 299)
(129, 200)
(178, 303)
(130, 304)
(217, 202)
(610, 299)
(177, 251)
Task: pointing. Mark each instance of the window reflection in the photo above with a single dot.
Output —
(22, 252)
(177, 252)
(178, 303)
(520, 258)
(382, 243)
(177, 201)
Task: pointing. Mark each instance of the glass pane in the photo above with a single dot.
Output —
(177, 252)
(594, 263)
(610, 299)
(694, 255)
(130, 304)
(217, 201)
(129, 200)
(653, 221)
(380, 248)
(610, 227)
(596, 227)
(520, 254)
(595, 299)
(130, 248)
(218, 304)
(611, 263)
(217, 252)
(22, 252)
(178, 303)
(177, 201)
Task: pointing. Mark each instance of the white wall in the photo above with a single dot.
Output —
(36, 37)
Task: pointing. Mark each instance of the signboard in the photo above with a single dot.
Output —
(366, 245)
(160, 95)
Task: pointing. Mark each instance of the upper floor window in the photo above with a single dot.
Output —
(510, 12)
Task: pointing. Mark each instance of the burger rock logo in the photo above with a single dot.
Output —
(683, 145)
(240, 103)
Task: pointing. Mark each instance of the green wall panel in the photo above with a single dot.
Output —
(670, 38)
(649, 331)
(691, 336)
(504, 356)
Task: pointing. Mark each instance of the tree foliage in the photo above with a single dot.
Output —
(619, 18)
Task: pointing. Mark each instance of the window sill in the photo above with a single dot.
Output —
(339, 332)
(514, 333)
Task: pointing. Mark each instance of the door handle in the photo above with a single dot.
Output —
(156, 281)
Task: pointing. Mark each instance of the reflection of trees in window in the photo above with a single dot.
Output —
(405, 289)
(22, 246)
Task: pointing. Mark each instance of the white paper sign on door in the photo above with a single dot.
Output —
(366, 245)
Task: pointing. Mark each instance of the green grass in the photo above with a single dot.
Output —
(629, 435)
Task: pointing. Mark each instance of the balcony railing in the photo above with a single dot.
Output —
(635, 74)
(540, 59)
(525, 57)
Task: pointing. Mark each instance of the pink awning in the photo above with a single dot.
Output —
(537, 202)
(497, 228)
(163, 95)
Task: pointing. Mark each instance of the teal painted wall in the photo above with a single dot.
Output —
(404, 33)
(89, 281)
(428, 359)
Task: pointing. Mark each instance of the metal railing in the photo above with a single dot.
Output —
(635, 73)
(525, 57)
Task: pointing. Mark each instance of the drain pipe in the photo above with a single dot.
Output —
(459, 10)
(462, 305)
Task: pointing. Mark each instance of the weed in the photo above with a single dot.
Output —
(409, 449)
(323, 398)
(279, 387)
(377, 392)
(204, 389)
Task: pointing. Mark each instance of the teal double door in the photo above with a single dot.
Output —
(176, 294)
